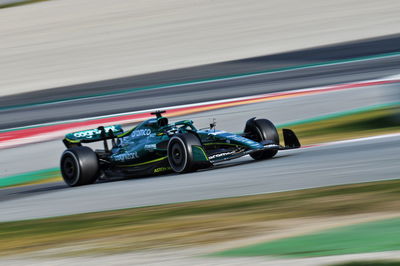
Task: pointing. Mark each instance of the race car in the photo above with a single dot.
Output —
(156, 146)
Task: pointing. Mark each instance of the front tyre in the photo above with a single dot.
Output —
(260, 130)
(181, 151)
(79, 166)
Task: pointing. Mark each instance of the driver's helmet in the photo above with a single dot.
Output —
(162, 121)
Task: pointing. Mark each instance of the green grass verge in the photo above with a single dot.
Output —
(363, 122)
(21, 3)
(355, 123)
(367, 237)
(369, 263)
(35, 177)
(200, 222)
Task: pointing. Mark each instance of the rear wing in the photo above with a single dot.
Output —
(92, 135)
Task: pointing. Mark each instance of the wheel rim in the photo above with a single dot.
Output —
(177, 154)
(69, 170)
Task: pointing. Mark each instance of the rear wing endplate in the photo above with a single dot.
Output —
(92, 135)
(290, 139)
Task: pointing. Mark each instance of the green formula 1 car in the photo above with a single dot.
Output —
(155, 146)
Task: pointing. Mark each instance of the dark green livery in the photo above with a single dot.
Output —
(155, 146)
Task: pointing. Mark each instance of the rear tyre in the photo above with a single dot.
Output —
(180, 153)
(259, 130)
(79, 166)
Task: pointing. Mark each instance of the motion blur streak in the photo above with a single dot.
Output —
(39, 133)
(343, 163)
(64, 62)
(74, 41)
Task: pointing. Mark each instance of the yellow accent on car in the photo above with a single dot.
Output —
(138, 164)
(205, 155)
(161, 169)
(221, 143)
(126, 133)
(72, 141)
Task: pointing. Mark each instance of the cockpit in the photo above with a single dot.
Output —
(161, 123)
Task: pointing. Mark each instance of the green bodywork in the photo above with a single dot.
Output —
(145, 146)
(92, 135)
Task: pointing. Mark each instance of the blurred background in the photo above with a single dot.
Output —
(329, 70)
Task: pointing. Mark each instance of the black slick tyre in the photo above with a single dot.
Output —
(180, 153)
(263, 129)
(79, 166)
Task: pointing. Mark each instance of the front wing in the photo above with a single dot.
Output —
(290, 139)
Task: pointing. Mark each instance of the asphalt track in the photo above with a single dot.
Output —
(320, 166)
(213, 90)
(362, 161)
(74, 41)
(44, 155)
(319, 74)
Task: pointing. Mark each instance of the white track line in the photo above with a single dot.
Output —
(326, 88)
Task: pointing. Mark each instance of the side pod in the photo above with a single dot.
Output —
(290, 138)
